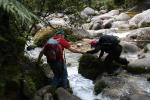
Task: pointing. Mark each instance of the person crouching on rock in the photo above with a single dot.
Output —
(109, 44)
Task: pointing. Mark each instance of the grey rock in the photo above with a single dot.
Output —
(43, 90)
(140, 19)
(48, 96)
(89, 11)
(122, 17)
(37, 97)
(139, 65)
(129, 47)
(62, 94)
(138, 97)
(81, 33)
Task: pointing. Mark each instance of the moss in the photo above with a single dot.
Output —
(99, 86)
(3, 40)
(131, 13)
(40, 41)
(109, 4)
(90, 67)
(145, 49)
(26, 74)
(138, 70)
(29, 86)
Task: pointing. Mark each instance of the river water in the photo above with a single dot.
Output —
(82, 87)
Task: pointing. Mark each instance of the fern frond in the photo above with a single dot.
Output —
(18, 10)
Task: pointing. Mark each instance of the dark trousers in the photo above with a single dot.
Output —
(115, 56)
(60, 74)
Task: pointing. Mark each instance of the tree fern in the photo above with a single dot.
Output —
(18, 11)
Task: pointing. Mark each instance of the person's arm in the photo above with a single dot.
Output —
(75, 51)
(94, 51)
(40, 56)
(101, 54)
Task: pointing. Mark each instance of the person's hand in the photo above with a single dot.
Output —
(99, 59)
(83, 52)
(87, 52)
(39, 62)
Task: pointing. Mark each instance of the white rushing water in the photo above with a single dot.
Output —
(81, 86)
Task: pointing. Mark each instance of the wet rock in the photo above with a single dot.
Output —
(96, 26)
(83, 15)
(107, 23)
(89, 66)
(122, 17)
(123, 85)
(98, 33)
(138, 97)
(129, 47)
(62, 94)
(145, 22)
(108, 15)
(139, 66)
(48, 96)
(99, 86)
(140, 19)
(86, 26)
(114, 12)
(112, 86)
(103, 11)
(141, 35)
(79, 45)
(120, 25)
(89, 11)
(44, 90)
(81, 33)
(58, 22)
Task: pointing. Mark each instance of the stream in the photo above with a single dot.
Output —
(83, 88)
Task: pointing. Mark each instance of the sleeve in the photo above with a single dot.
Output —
(101, 54)
(94, 51)
(65, 44)
(44, 48)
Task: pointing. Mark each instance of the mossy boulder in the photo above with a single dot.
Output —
(44, 34)
(111, 86)
(99, 86)
(90, 67)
